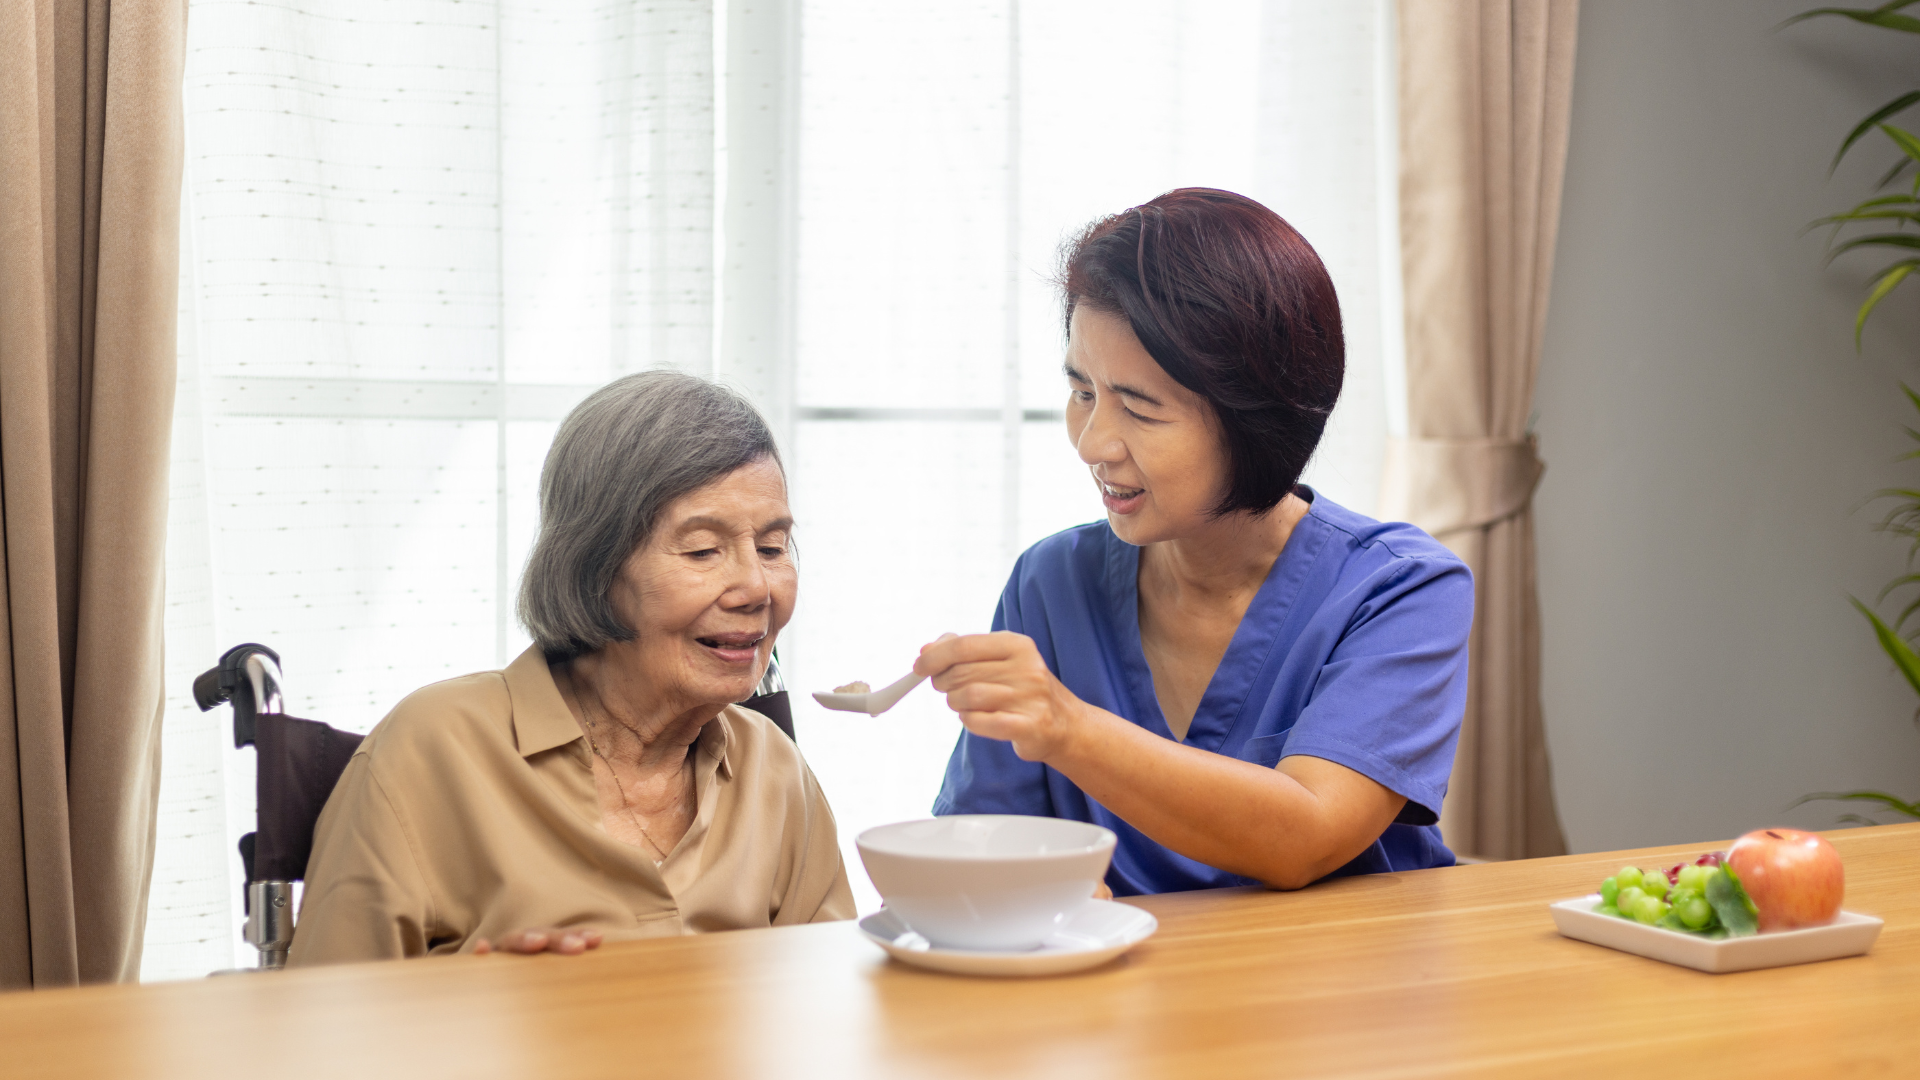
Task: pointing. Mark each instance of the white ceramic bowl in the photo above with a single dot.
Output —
(985, 881)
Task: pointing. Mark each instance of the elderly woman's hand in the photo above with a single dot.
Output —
(543, 939)
(1003, 690)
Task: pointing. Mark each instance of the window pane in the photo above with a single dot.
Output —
(361, 550)
(346, 189)
(903, 268)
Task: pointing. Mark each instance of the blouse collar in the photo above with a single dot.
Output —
(542, 721)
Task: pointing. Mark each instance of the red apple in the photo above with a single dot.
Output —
(1794, 877)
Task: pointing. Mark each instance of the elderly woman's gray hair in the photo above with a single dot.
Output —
(626, 452)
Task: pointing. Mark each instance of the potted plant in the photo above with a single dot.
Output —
(1887, 218)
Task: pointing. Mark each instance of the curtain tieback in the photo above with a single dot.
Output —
(1452, 485)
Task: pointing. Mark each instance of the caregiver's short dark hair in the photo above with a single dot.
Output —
(1237, 307)
(626, 452)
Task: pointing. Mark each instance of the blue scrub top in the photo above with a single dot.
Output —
(1354, 650)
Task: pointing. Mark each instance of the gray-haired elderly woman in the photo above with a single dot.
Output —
(603, 786)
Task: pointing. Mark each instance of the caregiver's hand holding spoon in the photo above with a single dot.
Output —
(1003, 690)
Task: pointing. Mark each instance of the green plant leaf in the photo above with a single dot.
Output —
(1900, 622)
(1897, 105)
(1893, 173)
(1891, 802)
(1899, 493)
(1896, 583)
(1885, 283)
(1903, 579)
(1902, 520)
(1730, 901)
(1875, 214)
(1892, 240)
(1886, 200)
(1884, 16)
(1904, 139)
(1894, 646)
(1871, 204)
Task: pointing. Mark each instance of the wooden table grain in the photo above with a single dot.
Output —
(1431, 973)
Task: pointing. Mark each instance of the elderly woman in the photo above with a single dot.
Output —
(603, 786)
(1246, 682)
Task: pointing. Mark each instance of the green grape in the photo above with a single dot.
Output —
(1654, 885)
(1629, 877)
(1629, 900)
(1680, 895)
(1610, 892)
(1648, 909)
(1695, 912)
(1609, 909)
(1695, 878)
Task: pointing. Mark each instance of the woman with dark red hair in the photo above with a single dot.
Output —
(1246, 682)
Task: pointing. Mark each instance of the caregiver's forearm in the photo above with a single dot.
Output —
(1243, 818)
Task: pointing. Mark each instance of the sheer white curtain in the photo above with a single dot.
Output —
(418, 230)
(945, 152)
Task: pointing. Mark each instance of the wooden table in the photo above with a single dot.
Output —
(1437, 972)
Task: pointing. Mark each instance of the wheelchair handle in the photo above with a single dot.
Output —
(248, 676)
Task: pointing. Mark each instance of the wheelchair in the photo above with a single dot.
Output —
(298, 762)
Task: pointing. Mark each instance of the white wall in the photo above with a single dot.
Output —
(1711, 435)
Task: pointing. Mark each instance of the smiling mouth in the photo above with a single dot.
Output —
(732, 642)
(1114, 491)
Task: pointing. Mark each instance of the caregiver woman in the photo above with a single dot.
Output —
(1246, 682)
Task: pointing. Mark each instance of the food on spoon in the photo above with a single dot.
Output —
(855, 687)
(1702, 897)
(1794, 877)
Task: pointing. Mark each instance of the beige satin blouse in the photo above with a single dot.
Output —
(470, 812)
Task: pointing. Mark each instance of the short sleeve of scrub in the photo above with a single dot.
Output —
(1354, 650)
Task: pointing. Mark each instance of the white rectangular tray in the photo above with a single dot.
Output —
(1848, 935)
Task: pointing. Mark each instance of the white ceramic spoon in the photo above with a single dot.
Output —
(874, 702)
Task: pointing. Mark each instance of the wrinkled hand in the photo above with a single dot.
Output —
(1002, 690)
(543, 939)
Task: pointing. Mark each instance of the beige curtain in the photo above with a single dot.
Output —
(90, 156)
(1485, 88)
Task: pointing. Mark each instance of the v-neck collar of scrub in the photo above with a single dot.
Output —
(1247, 654)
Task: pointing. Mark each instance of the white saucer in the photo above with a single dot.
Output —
(1089, 936)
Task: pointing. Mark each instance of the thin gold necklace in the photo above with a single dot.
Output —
(625, 804)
